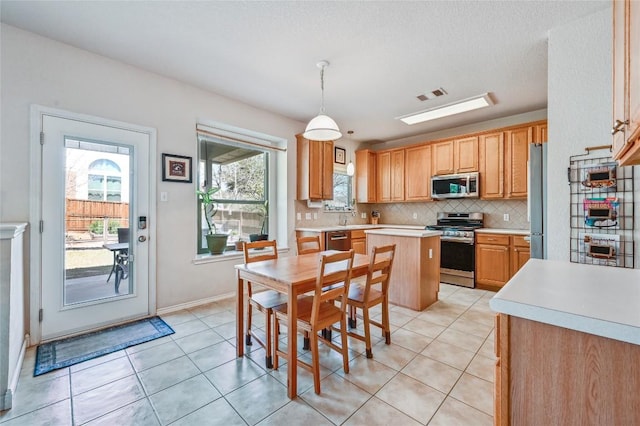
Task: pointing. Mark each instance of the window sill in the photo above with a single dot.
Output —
(226, 256)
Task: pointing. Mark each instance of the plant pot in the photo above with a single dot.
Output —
(258, 237)
(217, 243)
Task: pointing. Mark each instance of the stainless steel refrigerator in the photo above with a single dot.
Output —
(537, 199)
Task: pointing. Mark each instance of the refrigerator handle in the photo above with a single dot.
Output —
(528, 191)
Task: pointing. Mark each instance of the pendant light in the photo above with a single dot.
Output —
(322, 127)
(351, 169)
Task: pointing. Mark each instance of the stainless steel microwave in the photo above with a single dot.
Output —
(464, 185)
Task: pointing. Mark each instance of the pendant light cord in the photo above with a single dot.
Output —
(322, 90)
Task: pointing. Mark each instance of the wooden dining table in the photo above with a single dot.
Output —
(293, 276)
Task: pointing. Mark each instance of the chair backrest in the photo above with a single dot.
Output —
(308, 244)
(380, 264)
(260, 250)
(123, 235)
(333, 269)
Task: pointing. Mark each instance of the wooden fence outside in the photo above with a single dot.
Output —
(80, 214)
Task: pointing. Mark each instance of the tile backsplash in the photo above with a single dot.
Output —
(425, 213)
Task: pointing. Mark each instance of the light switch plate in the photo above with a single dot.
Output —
(298, 216)
(505, 217)
(363, 215)
(164, 196)
(415, 215)
(307, 216)
(315, 216)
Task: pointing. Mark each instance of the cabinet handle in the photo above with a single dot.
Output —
(618, 126)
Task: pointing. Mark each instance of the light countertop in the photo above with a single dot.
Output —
(360, 226)
(417, 233)
(503, 231)
(599, 300)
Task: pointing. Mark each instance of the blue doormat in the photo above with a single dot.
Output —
(73, 350)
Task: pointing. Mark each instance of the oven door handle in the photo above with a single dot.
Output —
(457, 240)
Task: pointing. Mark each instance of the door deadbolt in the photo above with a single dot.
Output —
(142, 238)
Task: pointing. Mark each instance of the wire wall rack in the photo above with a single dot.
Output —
(601, 211)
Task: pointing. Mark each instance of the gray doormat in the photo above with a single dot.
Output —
(65, 352)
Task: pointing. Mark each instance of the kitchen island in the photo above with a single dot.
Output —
(568, 345)
(415, 277)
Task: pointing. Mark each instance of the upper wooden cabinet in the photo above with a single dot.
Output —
(315, 169)
(390, 174)
(418, 173)
(491, 165)
(540, 133)
(366, 176)
(516, 157)
(626, 82)
(455, 156)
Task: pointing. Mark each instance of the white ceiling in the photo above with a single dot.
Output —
(382, 54)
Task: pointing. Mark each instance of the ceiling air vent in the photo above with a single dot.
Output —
(434, 94)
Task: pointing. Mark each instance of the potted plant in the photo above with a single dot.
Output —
(264, 214)
(215, 241)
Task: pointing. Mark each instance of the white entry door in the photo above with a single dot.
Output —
(95, 207)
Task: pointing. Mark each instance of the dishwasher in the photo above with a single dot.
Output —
(338, 240)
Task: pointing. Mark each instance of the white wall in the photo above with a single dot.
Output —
(580, 114)
(37, 70)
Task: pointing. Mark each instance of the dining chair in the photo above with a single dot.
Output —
(318, 312)
(121, 260)
(308, 245)
(263, 301)
(367, 296)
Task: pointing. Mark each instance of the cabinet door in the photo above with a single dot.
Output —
(516, 164)
(442, 158)
(384, 176)
(327, 170)
(316, 170)
(519, 257)
(359, 246)
(397, 175)
(619, 68)
(365, 176)
(465, 156)
(492, 264)
(418, 173)
(540, 134)
(491, 165)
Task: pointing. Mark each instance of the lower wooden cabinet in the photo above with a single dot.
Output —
(359, 241)
(548, 375)
(498, 258)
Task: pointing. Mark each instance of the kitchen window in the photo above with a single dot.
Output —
(343, 200)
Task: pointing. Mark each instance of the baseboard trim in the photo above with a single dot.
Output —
(194, 303)
(7, 399)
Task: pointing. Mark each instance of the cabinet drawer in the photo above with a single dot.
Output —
(358, 233)
(520, 241)
(495, 239)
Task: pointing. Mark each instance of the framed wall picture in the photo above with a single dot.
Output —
(340, 155)
(176, 168)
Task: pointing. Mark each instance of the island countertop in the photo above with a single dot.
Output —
(416, 233)
(599, 300)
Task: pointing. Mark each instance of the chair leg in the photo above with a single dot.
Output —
(367, 331)
(247, 337)
(385, 321)
(276, 341)
(314, 361)
(305, 341)
(268, 360)
(345, 347)
(352, 317)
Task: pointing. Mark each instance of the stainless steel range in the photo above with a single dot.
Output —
(457, 247)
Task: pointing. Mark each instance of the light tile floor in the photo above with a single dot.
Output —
(438, 370)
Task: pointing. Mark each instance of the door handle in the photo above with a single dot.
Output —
(142, 238)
